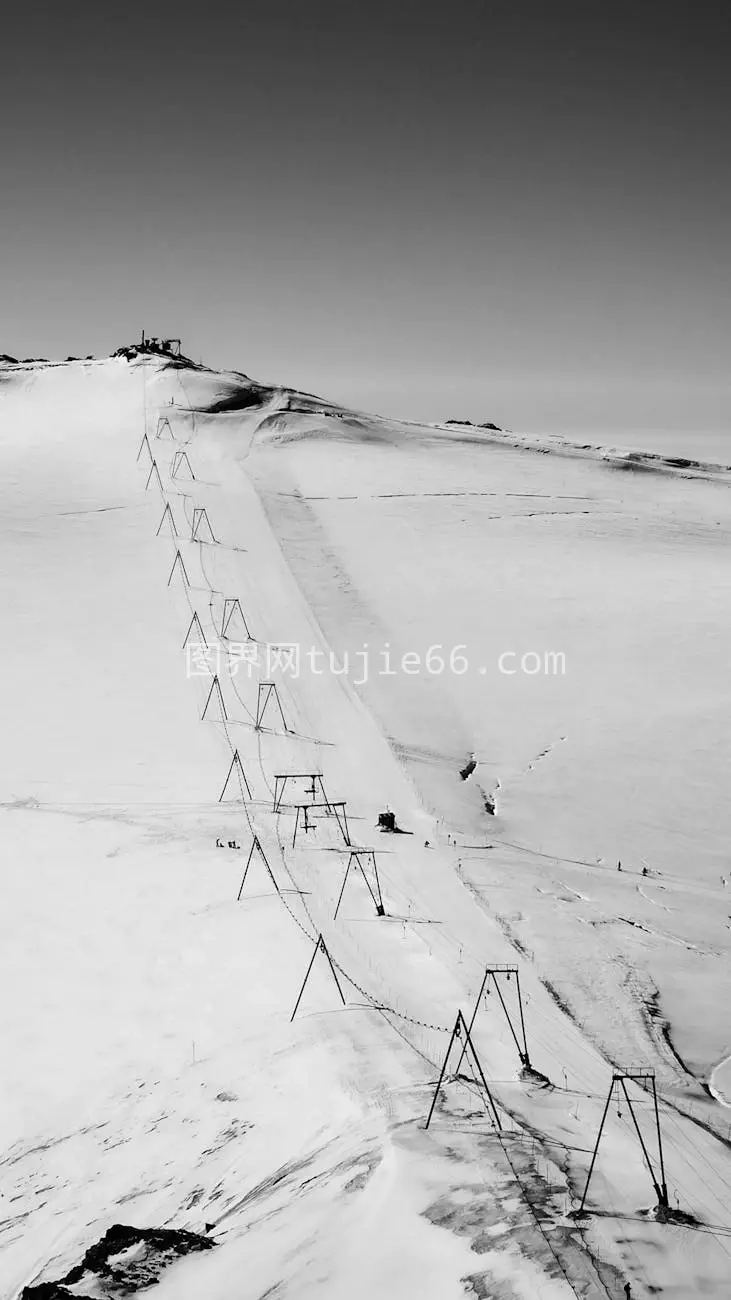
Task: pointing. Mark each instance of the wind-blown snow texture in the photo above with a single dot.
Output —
(151, 1074)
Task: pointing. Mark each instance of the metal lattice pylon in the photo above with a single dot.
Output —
(163, 423)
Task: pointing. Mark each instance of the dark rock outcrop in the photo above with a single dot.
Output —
(150, 1252)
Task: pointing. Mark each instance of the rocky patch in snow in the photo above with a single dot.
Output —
(126, 1260)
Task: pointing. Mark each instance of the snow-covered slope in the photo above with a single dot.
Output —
(151, 1073)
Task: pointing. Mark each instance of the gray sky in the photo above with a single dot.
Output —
(517, 212)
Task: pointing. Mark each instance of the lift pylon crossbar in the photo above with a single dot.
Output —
(167, 514)
(238, 767)
(256, 847)
(195, 622)
(360, 858)
(320, 946)
(461, 1033)
(336, 810)
(282, 778)
(620, 1080)
(215, 686)
(492, 973)
(179, 561)
(641, 1073)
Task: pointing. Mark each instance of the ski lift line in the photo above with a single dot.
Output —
(364, 993)
(413, 1020)
(501, 1138)
(233, 683)
(637, 1267)
(376, 1003)
(368, 996)
(210, 607)
(461, 1034)
(386, 1011)
(682, 1150)
(252, 719)
(546, 1238)
(297, 735)
(674, 1120)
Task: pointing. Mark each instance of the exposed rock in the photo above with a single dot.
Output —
(126, 1260)
(471, 423)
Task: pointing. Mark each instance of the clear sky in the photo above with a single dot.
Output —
(509, 211)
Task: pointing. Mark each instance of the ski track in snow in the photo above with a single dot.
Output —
(654, 901)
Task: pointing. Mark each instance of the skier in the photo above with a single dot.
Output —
(628, 1291)
(619, 866)
(219, 843)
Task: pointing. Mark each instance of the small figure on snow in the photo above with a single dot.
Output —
(645, 872)
(219, 843)
(628, 1291)
(619, 866)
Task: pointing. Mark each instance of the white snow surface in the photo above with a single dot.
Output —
(151, 1073)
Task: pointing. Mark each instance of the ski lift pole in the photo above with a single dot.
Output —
(596, 1146)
